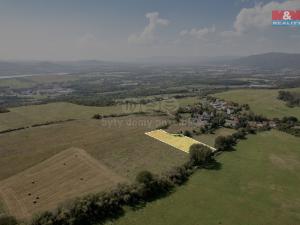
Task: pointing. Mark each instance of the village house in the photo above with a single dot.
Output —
(232, 123)
(272, 124)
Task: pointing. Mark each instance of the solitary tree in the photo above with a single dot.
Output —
(200, 154)
(97, 117)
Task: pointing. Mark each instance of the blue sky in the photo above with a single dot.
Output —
(130, 29)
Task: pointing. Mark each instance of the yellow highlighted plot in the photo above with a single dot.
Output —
(180, 142)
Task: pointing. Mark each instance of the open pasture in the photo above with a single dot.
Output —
(262, 101)
(256, 184)
(119, 143)
(177, 141)
(29, 115)
(69, 174)
(33, 114)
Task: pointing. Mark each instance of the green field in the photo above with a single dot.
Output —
(257, 185)
(29, 115)
(31, 81)
(119, 143)
(16, 83)
(262, 101)
(52, 78)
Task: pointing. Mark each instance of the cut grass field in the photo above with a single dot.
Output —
(177, 141)
(119, 143)
(257, 184)
(67, 175)
(262, 101)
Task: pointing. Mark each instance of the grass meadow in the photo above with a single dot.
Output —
(262, 101)
(118, 143)
(258, 184)
(29, 115)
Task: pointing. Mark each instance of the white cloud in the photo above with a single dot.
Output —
(229, 34)
(198, 33)
(87, 38)
(258, 17)
(184, 32)
(148, 34)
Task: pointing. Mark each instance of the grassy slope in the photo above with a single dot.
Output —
(258, 184)
(262, 101)
(28, 115)
(119, 143)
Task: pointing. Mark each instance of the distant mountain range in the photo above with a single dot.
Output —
(269, 61)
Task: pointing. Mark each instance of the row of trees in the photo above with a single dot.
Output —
(226, 143)
(97, 208)
(99, 116)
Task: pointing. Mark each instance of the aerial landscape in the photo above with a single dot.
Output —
(152, 112)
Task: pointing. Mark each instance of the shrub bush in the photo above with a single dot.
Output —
(8, 220)
(97, 117)
(187, 133)
(4, 110)
(225, 143)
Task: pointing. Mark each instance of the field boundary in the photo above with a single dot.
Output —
(48, 123)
